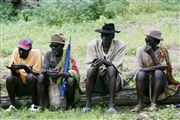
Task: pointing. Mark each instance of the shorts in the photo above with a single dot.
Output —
(101, 85)
(147, 82)
(22, 89)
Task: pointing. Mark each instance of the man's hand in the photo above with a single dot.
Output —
(44, 72)
(149, 50)
(22, 66)
(55, 74)
(97, 62)
(65, 74)
(107, 63)
(18, 67)
(14, 71)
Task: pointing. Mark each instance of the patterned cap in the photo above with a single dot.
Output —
(25, 43)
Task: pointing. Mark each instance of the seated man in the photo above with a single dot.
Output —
(25, 66)
(154, 71)
(104, 59)
(53, 71)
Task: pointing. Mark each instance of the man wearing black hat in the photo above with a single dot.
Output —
(105, 61)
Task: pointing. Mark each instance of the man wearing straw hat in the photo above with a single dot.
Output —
(154, 75)
(53, 72)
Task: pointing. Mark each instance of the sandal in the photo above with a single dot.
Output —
(85, 110)
(11, 108)
(153, 107)
(137, 108)
(112, 110)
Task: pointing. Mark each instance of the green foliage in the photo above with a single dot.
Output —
(116, 7)
(58, 12)
(7, 12)
(172, 5)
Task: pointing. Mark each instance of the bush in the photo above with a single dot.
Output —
(58, 12)
(7, 12)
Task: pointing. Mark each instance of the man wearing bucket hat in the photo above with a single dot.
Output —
(53, 73)
(25, 65)
(104, 58)
(154, 75)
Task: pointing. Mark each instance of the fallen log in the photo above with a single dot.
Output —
(128, 97)
(125, 97)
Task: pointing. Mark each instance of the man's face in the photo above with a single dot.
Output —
(23, 53)
(107, 38)
(151, 41)
(57, 48)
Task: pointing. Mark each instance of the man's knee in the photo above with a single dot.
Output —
(71, 81)
(41, 79)
(158, 73)
(111, 71)
(140, 75)
(91, 71)
(30, 78)
(10, 79)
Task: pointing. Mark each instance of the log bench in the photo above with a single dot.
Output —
(125, 97)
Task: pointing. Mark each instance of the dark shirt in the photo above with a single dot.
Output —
(50, 61)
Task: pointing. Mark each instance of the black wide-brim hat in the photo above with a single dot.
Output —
(108, 28)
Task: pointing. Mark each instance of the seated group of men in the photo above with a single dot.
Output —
(104, 58)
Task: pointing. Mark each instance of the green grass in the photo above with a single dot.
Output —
(97, 113)
(132, 32)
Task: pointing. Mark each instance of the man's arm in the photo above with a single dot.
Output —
(13, 71)
(152, 68)
(119, 57)
(156, 63)
(15, 68)
(12, 62)
(149, 50)
(37, 64)
(91, 54)
(46, 64)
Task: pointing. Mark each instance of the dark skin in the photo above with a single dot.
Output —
(111, 73)
(13, 82)
(157, 69)
(43, 80)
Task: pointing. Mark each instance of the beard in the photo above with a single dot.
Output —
(23, 56)
(58, 53)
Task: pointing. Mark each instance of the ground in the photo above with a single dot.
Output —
(167, 112)
(132, 33)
